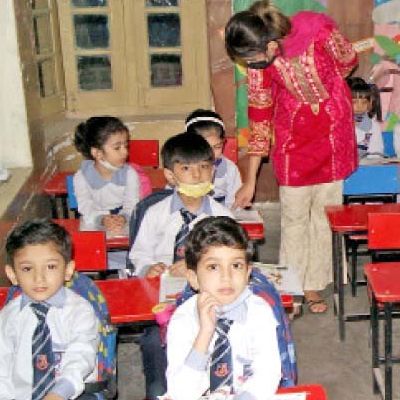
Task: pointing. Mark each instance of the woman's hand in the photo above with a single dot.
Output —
(244, 195)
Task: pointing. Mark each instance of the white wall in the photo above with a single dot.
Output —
(14, 135)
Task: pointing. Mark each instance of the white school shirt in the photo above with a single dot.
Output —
(227, 180)
(369, 137)
(155, 240)
(255, 352)
(74, 332)
(96, 196)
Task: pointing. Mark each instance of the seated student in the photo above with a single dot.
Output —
(159, 243)
(367, 113)
(106, 187)
(49, 334)
(222, 340)
(227, 179)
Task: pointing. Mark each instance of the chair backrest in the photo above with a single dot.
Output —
(388, 144)
(90, 251)
(373, 179)
(144, 152)
(231, 148)
(71, 198)
(384, 231)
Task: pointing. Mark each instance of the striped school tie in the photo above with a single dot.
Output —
(181, 236)
(221, 359)
(42, 354)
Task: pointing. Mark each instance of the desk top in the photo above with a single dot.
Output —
(384, 280)
(314, 392)
(354, 217)
(113, 243)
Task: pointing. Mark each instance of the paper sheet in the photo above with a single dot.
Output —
(170, 287)
(284, 277)
(247, 216)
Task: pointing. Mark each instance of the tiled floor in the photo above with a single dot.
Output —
(343, 368)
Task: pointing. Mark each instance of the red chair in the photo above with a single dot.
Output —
(383, 279)
(231, 148)
(89, 250)
(144, 152)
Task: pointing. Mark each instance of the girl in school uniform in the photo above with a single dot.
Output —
(106, 187)
(227, 179)
(367, 115)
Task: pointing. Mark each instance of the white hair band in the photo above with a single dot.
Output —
(209, 119)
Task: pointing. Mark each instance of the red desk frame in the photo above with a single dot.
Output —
(345, 220)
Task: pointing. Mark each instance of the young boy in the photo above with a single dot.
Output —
(49, 334)
(188, 167)
(222, 340)
(159, 244)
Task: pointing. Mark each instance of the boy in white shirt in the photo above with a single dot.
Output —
(160, 241)
(222, 340)
(49, 334)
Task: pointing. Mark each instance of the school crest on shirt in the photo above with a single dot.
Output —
(221, 370)
(41, 362)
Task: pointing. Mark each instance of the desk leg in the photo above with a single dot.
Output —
(64, 206)
(388, 351)
(375, 346)
(338, 242)
(334, 271)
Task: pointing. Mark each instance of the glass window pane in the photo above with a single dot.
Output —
(91, 31)
(161, 3)
(89, 3)
(42, 32)
(47, 83)
(166, 70)
(38, 4)
(94, 72)
(164, 30)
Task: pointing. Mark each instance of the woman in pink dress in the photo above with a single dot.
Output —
(300, 105)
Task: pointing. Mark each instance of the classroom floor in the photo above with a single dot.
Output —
(343, 368)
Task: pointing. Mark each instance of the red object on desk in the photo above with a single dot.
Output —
(351, 218)
(313, 392)
(113, 243)
(130, 300)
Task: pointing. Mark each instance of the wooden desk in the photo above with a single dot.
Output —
(113, 243)
(345, 220)
(131, 300)
(313, 392)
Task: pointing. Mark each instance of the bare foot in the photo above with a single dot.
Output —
(315, 303)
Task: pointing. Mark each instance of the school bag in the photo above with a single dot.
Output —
(261, 286)
(106, 386)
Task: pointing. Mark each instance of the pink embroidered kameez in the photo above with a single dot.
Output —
(302, 105)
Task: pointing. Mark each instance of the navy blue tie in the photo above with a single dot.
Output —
(221, 359)
(181, 236)
(42, 354)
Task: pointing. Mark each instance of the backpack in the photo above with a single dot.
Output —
(261, 286)
(106, 386)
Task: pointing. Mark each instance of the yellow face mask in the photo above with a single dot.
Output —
(195, 190)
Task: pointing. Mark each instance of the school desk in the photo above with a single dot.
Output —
(131, 300)
(313, 392)
(346, 220)
(113, 243)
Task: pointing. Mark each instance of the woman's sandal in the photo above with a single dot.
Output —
(314, 310)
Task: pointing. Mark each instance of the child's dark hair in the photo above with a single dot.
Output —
(248, 32)
(201, 121)
(363, 90)
(185, 149)
(215, 231)
(38, 231)
(95, 132)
